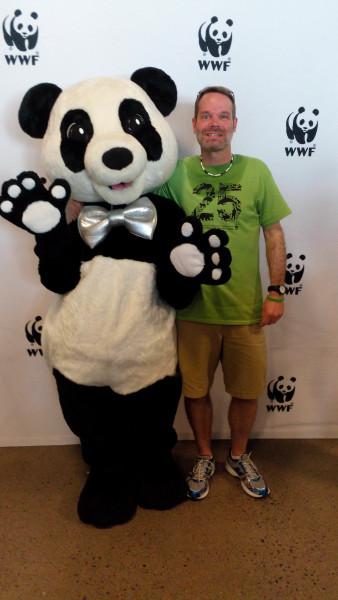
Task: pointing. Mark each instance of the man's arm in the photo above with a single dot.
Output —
(276, 257)
(73, 210)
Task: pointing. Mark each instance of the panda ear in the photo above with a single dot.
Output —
(316, 111)
(36, 107)
(159, 87)
(301, 109)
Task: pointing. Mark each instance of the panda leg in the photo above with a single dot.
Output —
(99, 418)
(161, 485)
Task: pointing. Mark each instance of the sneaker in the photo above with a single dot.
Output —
(198, 479)
(251, 481)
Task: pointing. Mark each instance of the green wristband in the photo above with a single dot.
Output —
(275, 299)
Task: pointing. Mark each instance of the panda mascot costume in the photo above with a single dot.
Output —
(118, 275)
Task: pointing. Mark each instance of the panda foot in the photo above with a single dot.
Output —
(26, 202)
(106, 500)
(162, 486)
(202, 255)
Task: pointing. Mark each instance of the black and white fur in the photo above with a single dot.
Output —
(109, 335)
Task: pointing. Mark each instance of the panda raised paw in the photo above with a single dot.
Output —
(202, 255)
(27, 203)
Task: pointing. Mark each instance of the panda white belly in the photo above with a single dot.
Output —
(112, 329)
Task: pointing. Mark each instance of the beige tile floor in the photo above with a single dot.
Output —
(226, 547)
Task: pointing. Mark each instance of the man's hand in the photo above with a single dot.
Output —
(272, 312)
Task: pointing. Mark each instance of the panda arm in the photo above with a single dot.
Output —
(185, 256)
(59, 255)
(27, 203)
(176, 289)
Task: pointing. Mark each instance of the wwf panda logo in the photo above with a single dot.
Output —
(21, 31)
(303, 125)
(294, 268)
(33, 330)
(215, 37)
(281, 390)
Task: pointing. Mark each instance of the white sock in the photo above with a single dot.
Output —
(235, 457)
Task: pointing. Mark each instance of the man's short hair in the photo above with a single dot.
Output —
(218, 89)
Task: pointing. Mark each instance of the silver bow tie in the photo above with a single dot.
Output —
(139, 217)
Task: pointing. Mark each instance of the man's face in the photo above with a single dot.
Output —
(214, 125)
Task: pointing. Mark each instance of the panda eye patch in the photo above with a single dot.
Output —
(77, 133)
(136, 122)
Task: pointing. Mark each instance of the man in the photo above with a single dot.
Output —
(225, 323)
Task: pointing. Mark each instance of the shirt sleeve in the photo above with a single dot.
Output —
(164, 191)
(273, 208)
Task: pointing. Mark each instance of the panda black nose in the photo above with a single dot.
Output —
(117, 158)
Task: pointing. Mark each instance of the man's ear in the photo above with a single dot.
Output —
(194, 124)
(235, 124)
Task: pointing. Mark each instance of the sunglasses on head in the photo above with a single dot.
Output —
(217, 88)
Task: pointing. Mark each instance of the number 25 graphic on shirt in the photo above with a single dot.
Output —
(217, 205)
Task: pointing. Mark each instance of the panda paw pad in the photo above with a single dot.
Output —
(202, 255)
(27, 203)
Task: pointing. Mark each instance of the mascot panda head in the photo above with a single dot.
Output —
(106, 136)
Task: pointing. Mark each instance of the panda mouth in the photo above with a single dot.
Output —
(120, 186)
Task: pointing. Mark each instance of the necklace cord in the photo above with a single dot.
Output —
(217, 174)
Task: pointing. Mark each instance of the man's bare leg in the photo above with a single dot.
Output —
(242, 414)
(199, 413)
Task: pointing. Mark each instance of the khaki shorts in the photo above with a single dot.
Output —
(241, 350)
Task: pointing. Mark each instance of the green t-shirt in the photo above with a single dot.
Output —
(239, 202)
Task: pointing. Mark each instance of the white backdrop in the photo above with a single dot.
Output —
(282, 57)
